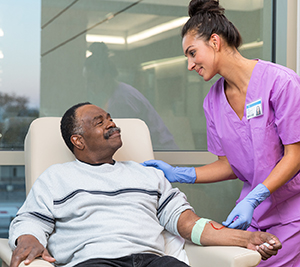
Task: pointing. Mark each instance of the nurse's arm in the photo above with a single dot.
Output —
(285, 169)
(217, 171)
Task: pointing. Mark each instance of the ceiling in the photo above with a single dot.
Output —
(121, 18)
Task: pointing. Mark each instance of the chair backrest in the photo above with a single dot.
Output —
(44, 145)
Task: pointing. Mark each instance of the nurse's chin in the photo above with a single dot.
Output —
(207, 78)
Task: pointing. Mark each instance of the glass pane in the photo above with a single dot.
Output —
(126, 57)
(19, 69)
(19, 94)
(12, 194)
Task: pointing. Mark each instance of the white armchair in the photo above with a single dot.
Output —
(44, 147)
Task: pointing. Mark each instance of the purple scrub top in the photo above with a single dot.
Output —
(254, 146)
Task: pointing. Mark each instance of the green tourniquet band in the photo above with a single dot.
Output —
(198, 229)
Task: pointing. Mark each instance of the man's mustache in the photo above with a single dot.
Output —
(111, 131)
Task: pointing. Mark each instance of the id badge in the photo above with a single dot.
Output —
(254, 109)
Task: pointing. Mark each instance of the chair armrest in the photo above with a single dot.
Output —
(215, 256)
(5, 251)
(37, 263)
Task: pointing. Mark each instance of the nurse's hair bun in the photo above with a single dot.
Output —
(205, 6)
(206, 18)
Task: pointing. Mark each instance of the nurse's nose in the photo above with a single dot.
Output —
(191, 65)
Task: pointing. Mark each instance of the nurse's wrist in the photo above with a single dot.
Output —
(185, 174)
(258, 194)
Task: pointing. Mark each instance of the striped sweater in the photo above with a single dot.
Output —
(80, 211)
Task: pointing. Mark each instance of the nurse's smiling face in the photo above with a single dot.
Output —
(201, 55)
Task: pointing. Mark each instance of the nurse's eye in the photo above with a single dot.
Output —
(192, 53)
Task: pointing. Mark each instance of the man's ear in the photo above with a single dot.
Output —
(77, 141)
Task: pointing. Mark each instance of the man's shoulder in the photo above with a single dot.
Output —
(58, 167)
(139, 167)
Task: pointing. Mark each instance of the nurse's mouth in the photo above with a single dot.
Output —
(200, 70)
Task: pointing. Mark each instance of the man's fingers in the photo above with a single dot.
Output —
(273, 241)
(20, 254)
(31, 256)
(47, 257)
(24, 254)
(15, 261)
(266, 250)
(264, 255)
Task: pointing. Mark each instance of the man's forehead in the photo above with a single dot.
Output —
(90, 112)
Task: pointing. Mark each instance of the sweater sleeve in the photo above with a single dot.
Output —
(171, 204)
(35, 216)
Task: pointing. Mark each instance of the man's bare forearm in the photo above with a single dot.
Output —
(215, 234)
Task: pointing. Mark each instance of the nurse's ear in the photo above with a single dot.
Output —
(215, 42)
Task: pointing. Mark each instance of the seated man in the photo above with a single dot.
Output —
(98, 212)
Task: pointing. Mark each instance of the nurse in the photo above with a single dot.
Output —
(260, 148)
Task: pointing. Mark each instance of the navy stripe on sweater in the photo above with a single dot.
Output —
(107, 193)
(165, 203)
(43, 217)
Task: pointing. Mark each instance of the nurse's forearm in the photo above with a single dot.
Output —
(217, 171)
(286, 168)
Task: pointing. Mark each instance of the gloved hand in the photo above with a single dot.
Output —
(174, 174)
(241, 216)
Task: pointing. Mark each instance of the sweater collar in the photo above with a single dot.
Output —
(97, 164)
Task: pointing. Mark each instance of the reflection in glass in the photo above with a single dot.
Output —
(119, 99)
(145, 62)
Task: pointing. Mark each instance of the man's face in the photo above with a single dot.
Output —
(100, 135)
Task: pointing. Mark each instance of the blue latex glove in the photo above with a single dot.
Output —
(241, 216)
(174, 174)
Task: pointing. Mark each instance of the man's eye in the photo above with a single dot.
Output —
(192, 53)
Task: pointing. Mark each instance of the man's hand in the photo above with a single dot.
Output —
(266, 244)
(29, 248)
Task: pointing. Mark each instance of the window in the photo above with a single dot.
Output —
(123, 55)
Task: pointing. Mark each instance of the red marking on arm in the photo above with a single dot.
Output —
(216, 227)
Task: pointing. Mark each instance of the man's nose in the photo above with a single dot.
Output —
(110, 124)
